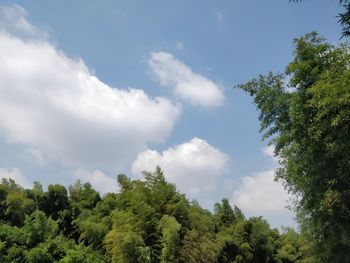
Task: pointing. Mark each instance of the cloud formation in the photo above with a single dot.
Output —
(260, 194)
(194, 166)
(186, 85)
(54, 104)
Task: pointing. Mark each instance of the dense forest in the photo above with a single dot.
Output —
(147, 221)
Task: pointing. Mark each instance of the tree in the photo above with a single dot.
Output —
(39, 255)
(294, 247)
(223, 213)
(148, 221)
(92, 230)
(199, 242)
(124, 242)
(83, 195)
(344, 18)
(55, 200)
(15, 213)
(3, 197)
(170, 239)
(38, 228)
(306, 114)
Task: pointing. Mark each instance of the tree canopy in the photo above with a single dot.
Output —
(305, 112)
(147, 221)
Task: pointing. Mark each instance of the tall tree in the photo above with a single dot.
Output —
(306, 114)
(170, 239)
(55, 200)
(224, 213)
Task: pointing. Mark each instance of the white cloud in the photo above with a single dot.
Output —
(170, 72)
(194, 166)
(16, 175)
(261, 194)
(98, 180)
(55, 104)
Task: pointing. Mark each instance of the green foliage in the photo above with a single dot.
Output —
(170, 239)
(124, 242)
(3, 197)
(199, 243)
(147, 221)
(224, 213)
(55, 200)
(38, 228)
(39, 255)
(92, 232)
(306, 113)
(83, 195)
(15, 208)
(290, 249)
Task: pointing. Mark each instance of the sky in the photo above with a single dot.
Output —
(91, 89)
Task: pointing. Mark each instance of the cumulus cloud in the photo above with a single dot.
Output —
(260, 194)
(16, 175)
(194, 166)
(186, 85)
(55, 104)
(99, 181)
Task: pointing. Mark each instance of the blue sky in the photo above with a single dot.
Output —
(91, 89)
